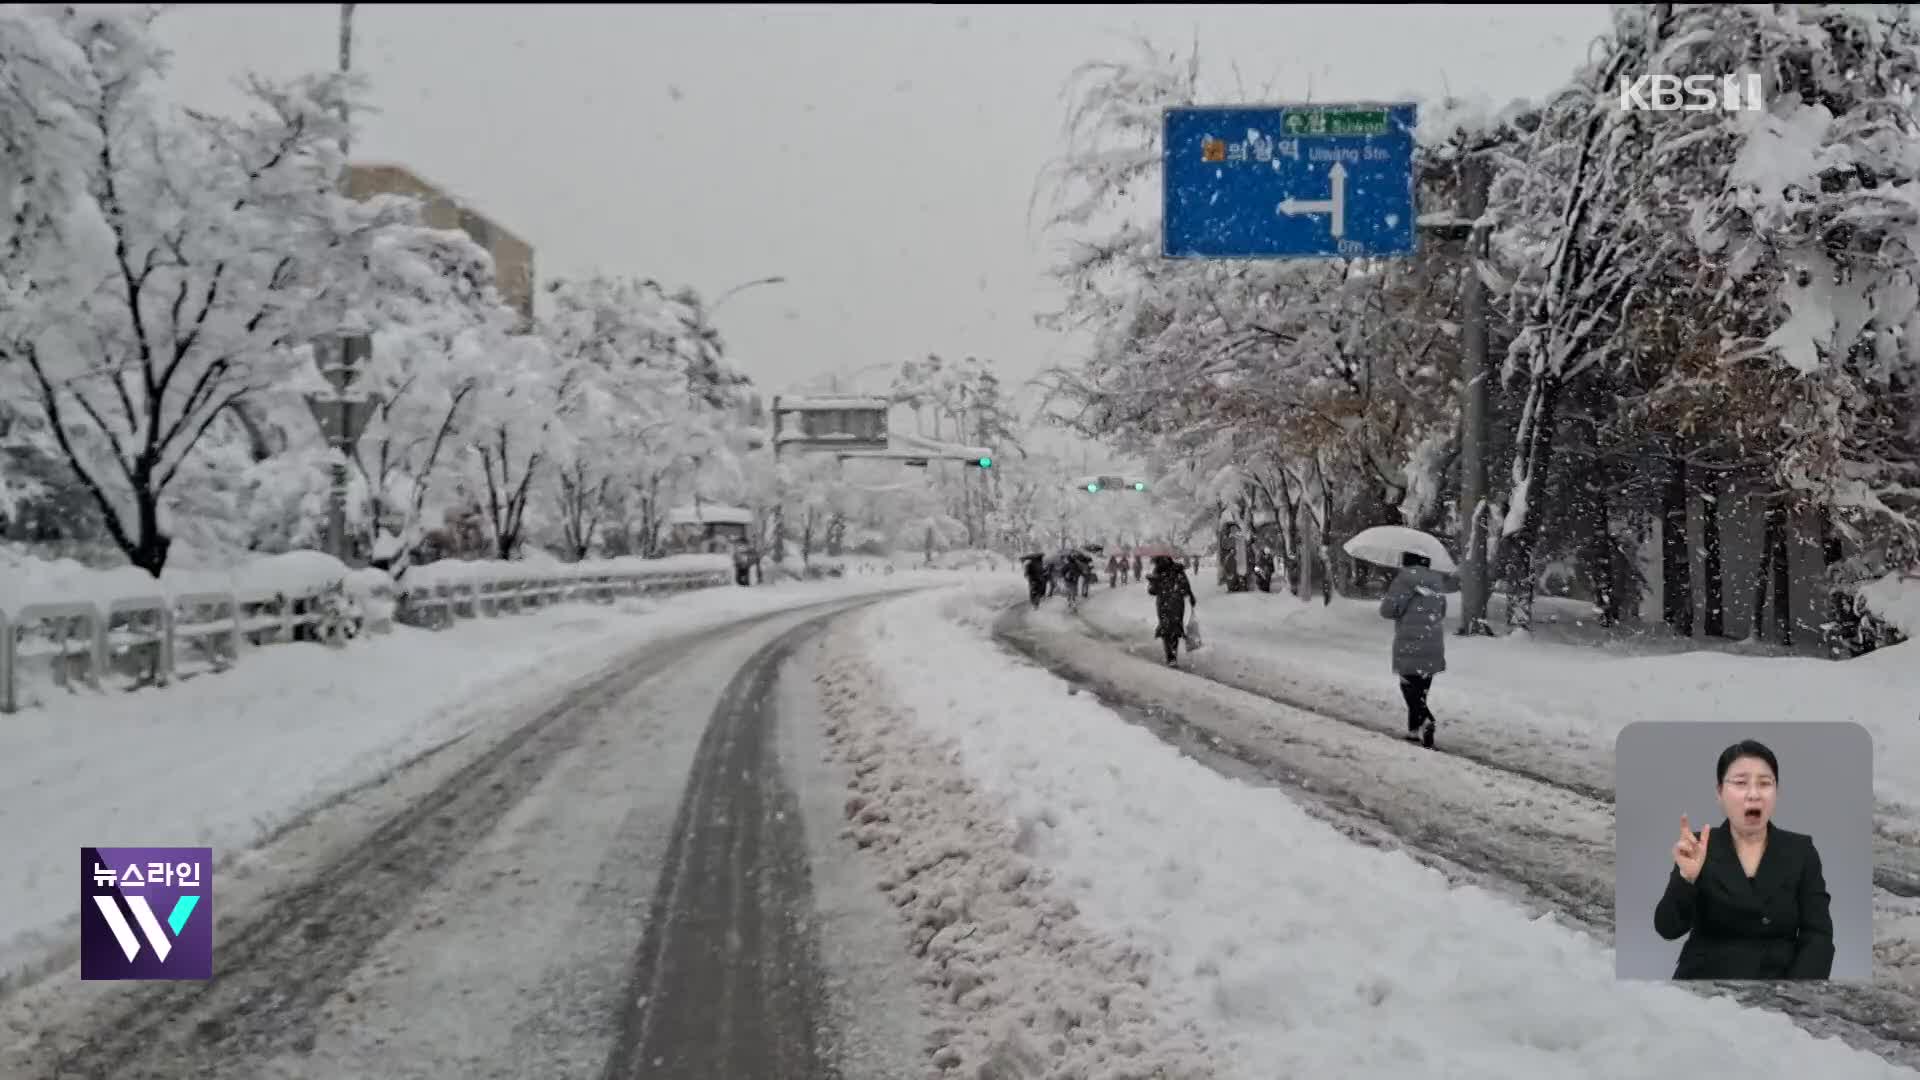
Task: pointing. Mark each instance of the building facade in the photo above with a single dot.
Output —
(708, 528)
(512, 256)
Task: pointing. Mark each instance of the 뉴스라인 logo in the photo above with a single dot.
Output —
(146, 913)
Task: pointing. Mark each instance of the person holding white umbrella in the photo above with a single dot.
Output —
(1417, 604)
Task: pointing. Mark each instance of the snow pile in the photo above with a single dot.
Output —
(1895, 599)
(1294, 950)
(462, 571)
(26, 580)
(973, 559)
(1026, 989)
(221, 761)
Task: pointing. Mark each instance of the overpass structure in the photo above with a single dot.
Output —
(917, 451)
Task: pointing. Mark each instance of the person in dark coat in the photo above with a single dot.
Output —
(1077, 572)
(1172, 592)
(1749, 897)
(1417, 604)
(1263, 568)
(1036, 570)
(1137, 564)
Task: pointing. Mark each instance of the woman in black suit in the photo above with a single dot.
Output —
(1749, 896)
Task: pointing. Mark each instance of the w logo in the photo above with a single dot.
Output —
(146, 913)
(143, 914)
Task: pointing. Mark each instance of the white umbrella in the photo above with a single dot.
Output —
(1383, 545)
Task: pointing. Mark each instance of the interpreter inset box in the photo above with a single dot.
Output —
(1743, 851)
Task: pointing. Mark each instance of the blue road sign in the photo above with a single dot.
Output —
(1288, 181)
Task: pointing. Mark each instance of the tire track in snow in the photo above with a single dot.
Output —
(726, 981)
(1314, 770)
(1896, 863)
(275, 972)
(1344, 765)
(1896, 948)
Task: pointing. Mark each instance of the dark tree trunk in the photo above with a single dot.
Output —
(1782, 575)
(1676, 555)
(1521, 574)
(1711, 570)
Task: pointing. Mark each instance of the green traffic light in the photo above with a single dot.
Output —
(1093, 487)
(985, 463)
(1138, 486)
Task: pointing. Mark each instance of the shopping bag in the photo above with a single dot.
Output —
(1193, 631)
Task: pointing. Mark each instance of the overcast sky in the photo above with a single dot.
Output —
(881, 159)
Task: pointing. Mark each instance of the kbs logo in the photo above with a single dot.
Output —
(1704, 93)
(146, 913)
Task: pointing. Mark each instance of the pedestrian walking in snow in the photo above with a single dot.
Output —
(1172, 592)
(1075, 569)
(1417, 604)
(1036, 579)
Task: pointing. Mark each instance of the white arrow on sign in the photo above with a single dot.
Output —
(1337, 206)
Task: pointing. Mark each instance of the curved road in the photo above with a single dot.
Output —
(618, 886)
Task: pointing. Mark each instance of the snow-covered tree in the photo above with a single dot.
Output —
(518, 429)
(1675, 270)
(1815, 201)
(651, 406)
(1254, 375)
(203, 257)
(435, 292)
(52, 65)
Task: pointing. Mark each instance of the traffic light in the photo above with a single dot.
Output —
(984, 463)
(1139, 485)
(1094, 487)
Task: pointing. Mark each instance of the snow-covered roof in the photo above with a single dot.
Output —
(817, 404)
(709, 514)
(823, 437)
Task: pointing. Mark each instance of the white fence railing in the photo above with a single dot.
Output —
(153, 638)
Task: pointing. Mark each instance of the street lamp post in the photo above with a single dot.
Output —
(779, 517)
(743, 287)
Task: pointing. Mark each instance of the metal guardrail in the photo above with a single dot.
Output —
(153, 639)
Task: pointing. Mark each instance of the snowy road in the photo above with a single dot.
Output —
(726, 982)
(1580, 768)
(1522, 831)
(615, 886)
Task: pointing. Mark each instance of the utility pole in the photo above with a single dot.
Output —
(337, 498)
(1475, 175)
(779, 493)
(340, 413)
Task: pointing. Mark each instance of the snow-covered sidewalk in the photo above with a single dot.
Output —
(1554, 706)
(223, 760)
(1269, 944)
